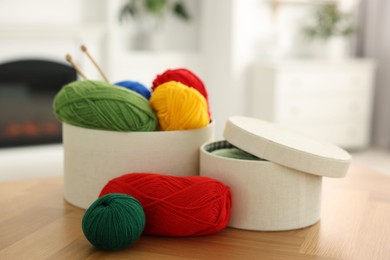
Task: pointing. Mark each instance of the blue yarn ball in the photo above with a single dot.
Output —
(135, 86)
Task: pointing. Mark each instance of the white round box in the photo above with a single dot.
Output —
(281, 192)
(93, 157)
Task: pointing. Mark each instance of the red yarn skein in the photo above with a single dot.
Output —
(177, 206)
(183, 76)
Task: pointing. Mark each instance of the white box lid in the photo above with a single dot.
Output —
(285, 147)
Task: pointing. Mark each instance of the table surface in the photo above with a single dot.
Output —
(36, 223)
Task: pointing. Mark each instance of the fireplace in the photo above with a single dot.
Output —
(27, 89)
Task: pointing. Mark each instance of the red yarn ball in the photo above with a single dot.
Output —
(177, 206)
(183, 76)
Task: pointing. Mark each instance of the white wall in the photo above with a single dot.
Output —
(172, 34)
(220, 44)
(57, 12)
(216, 49)
(44, 29)
(24, 12)
(375, 43)
(236, 34)
(31, 162)
(178, 45)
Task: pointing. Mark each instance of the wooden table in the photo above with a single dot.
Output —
(36, 223)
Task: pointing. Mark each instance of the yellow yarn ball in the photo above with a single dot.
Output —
(179, 107)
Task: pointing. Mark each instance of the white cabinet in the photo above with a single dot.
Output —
(330, 100)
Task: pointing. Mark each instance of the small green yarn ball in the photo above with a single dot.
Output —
(100, 105)
(114, 222)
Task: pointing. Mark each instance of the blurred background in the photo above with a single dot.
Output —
(316, 66)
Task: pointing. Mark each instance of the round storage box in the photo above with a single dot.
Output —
(93, 157)
(283, 190)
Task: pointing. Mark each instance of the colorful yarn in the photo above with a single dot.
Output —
(177, 206)
(135, 86)
(235, 153)
(183, 76)
(179, 107)
(113, 222)
(99, 105)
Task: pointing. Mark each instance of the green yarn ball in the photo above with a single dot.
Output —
(235, 153)
(114, 222)
(100, 105)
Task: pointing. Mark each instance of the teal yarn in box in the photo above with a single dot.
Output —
(114, 222)
(100, 105)
(235, 153)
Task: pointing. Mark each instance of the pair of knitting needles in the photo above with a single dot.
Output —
(77, 68)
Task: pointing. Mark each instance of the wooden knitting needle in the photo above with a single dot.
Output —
(85, 50)
(74, 65)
